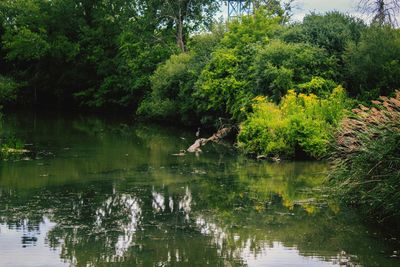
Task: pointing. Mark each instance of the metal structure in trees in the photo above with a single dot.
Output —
(238, 8)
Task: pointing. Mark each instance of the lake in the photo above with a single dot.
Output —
(102, 192)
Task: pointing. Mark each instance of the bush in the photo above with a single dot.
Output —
(8, 90)
(318, 86)
(280, 66)
(10, 146)
(167, 82)
(173, 82)
(373, 64)
(226, 82)
(219, 87)
(300, 126)
(332, 31)
(265, 131)
(366, 173)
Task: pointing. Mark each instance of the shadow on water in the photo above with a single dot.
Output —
(103, 192)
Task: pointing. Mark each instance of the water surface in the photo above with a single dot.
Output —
(101, 193)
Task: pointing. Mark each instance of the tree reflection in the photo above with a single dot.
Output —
(169, 225)
(152, 209)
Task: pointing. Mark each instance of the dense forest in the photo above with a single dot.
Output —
(287, 85)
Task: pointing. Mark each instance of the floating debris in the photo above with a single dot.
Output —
(15, 151)
(180, 154)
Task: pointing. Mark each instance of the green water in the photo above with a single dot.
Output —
(100, 193)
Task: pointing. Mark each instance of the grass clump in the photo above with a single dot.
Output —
(367, 160)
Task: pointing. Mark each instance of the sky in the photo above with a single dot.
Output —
(304, 7)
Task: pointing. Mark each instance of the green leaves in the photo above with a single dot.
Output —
(332, 31)
(280, 66)
(24, 44)
(8, 90)
(94, 53)
(301, 125)
(168, 92)
(373, 66)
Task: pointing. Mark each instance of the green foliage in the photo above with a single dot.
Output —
(318, 86)
(10, 146)
(97, 54)
(332, 31)
(225, 84)
(167, 84)
(172, 84)
(219, 86)
(188, 16)
(8, 90)
(202, 45)
(367, 160)
(301, 125)
(259, 28)
(24, 44)
(281, 66)
(373, 64)
(265, 131)
(125, 77)
(148, 56)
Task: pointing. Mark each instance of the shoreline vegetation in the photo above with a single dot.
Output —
(290, 87)
(366, 156)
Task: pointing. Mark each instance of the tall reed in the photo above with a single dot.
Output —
(366, 156)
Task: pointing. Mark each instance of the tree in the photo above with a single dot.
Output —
(276, 7)
(188, 15)
(226, 83)
(372, 66)
(332, 31)
(383, 11)
(280, 66)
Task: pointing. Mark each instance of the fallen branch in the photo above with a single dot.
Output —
(221, 134)
(218, 136)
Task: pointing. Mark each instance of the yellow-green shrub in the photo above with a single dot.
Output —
(302, 125)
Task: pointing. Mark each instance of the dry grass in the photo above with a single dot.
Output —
(367, 159)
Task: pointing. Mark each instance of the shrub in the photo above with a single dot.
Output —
(226, 82)
(280, 66)
(366, 173)
(265, 131)
(8, 90)
(10, 146)
(373, 64)
(332, 31)
(318, 86)
(173, 82)
(219, 87)
(300, 126)
(166, 83)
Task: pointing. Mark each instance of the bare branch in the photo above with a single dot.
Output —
(384, 12)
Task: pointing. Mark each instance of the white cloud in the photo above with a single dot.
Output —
(304, 7)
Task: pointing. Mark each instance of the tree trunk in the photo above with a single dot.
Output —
(180, 35)
(380, 16)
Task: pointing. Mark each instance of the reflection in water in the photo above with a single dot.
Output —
(127, 209)
(211, 229)
(116, 195)
(158, 201)
(15, 251)
(185, 203)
